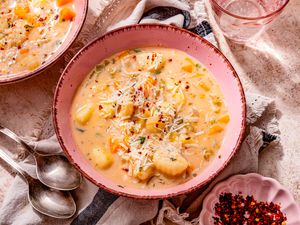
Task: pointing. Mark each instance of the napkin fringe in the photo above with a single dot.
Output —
(169, 212)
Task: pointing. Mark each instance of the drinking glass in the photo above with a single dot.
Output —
(241, 20)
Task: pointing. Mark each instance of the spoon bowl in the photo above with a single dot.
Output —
(51, 202)
(55, 171)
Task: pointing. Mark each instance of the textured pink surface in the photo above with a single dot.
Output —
(81, 7)
(262, 189)
(140, 36)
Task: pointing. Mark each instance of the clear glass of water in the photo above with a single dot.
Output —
(241, 20)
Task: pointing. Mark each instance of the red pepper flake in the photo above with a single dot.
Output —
(41, 19)
(187, 87)
(237, 210)
(170, 60)
(153, 57)
(100, 107)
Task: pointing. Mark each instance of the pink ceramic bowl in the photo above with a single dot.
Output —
(81, 7)
(262, 188)
(141, 36)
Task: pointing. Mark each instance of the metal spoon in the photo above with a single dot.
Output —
(54, 203)
(55, 171)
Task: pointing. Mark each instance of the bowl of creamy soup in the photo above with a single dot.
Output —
(150, 111)
(34, 33)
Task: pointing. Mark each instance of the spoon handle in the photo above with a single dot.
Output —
(12, 163)
(16, 138)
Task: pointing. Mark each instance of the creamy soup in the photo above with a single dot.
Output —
(149, 117)
(31, 31)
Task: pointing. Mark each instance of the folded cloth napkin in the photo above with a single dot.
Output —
(96, 206)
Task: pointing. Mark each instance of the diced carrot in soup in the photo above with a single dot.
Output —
(63, 2)
(188, 68)
(67, 14)
(21, 11)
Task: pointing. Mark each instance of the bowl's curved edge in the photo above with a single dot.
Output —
(11, 80)
(160, 26)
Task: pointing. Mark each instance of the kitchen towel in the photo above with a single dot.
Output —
(96, 206)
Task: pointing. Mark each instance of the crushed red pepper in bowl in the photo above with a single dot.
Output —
(238, 210)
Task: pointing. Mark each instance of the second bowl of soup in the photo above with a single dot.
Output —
(150, 117)
(35, 33)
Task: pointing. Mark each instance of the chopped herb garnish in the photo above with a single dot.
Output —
(58, 42)
(92, 74)
(197, 65)
(157, 72)
(212, 121)
(136, 50)
(9, 23)
(28, 28)
(180, 121)
(173, 159)
(120, 186)
(207, 154)
(106, 62)
(194, 174)
(80, 129)
(99, 67)
(142, 139)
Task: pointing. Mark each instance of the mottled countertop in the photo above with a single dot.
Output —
(269, 66)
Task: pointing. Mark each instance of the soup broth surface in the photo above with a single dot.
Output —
(149, 117)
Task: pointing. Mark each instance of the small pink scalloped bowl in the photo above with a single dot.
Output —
(262, 188)
(141, 36)
(80, 7)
